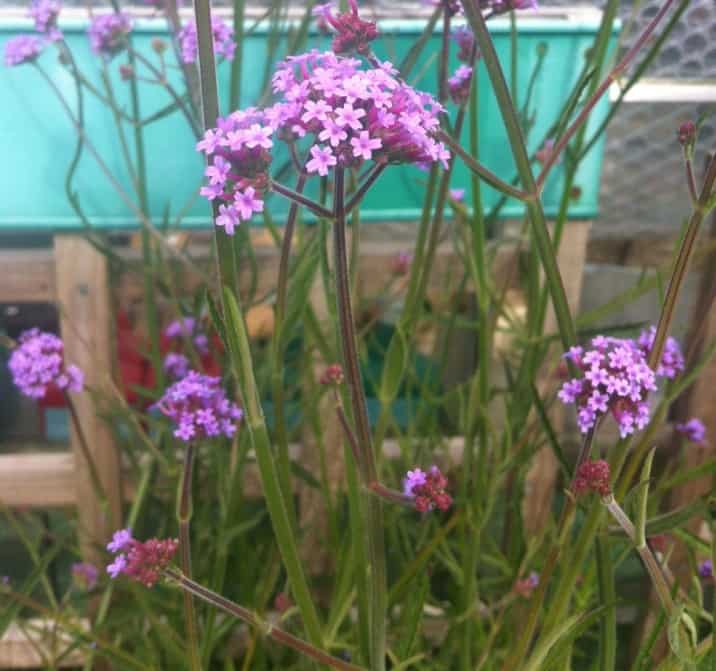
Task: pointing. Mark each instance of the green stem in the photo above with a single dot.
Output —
(267, 629)
(519, 151)
(681, 265)
(241, 360)
(372, 505)
(184, 515)
(237, 63)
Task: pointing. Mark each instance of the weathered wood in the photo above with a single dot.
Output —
(39, 644)
(40, 480)
(28, 276)
(542, 476)
(85, 321)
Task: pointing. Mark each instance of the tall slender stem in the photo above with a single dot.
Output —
(184, 514)
(373, 505)
(701, 209)
(250, 617)
(616, 72)
(300, 199)
(84, 448)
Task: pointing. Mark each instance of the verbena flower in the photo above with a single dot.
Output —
(37, 362)
(452, 7)
(223, 33)
(353, 34)
(459, 85)
(85, 575)
(108, 33)
(592, 476)
(706, 569)
(142, 561)
(427, 489)
(693, 430)
(343, 115)
(465, 41)
(176, 365)
(188, 327)
(45, 13)
(121, 540)
(198, 406)
(617, 380)
(22, 49)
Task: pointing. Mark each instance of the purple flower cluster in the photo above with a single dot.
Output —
(140, 561)
(617, 380)
(45, 13)
(198, 406)
(187, 327)
(37, 362)
(459, 85)
(108, 33)
(22, 49)
(85, 575)
(706, 569)
(223, 33)
(465, 41)
(350, 115)
(427, 489)
(693, 430)
(672, 360)
(176, 365)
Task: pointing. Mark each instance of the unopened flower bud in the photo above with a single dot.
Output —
(687, 134)
(159, 46)
(126, 72)
(592, 476)
(333, 375)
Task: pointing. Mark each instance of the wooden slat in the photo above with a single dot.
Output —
(40, 480)
(37, 645)
(85, 321)
(28, 276)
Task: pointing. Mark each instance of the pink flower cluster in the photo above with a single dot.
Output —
(465, 41)
(140, 561)
(350, 115)
(223, 34)
(592, 476)
(332, 375)
(353, 34)
(22, 49)
(198, 406)
(427, 489)
(459, 85)
(617, 380)
(37, 362)
(108, 33)
(45, 13)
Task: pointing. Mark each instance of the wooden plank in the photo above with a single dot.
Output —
(85, 320)
(40, 480)
(39, 644)
(27, 276)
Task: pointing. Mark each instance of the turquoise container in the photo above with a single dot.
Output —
(39, 140)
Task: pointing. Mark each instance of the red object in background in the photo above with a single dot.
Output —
(135, 369)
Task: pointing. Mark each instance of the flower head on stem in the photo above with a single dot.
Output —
(223, 33)
(525, 586)
(22, 49)
(198, 406)
(142, 561)
(427, 489)
(592, 476)
(332, 375)
(353, 34)
(37, 362)
(108, 33)
(45, 13)
(694, 431)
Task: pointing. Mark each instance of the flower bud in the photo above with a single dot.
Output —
(126, 72)
(159, 46)
(687, 134)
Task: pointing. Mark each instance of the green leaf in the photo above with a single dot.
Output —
(396, 360)
(412, 617)
(300, 285)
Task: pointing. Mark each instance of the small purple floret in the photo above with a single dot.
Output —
(198, 406)
(224, 44)
(693, 430)
(22, 49)
(108, 33)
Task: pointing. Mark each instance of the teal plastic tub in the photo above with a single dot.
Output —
(39, 141)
